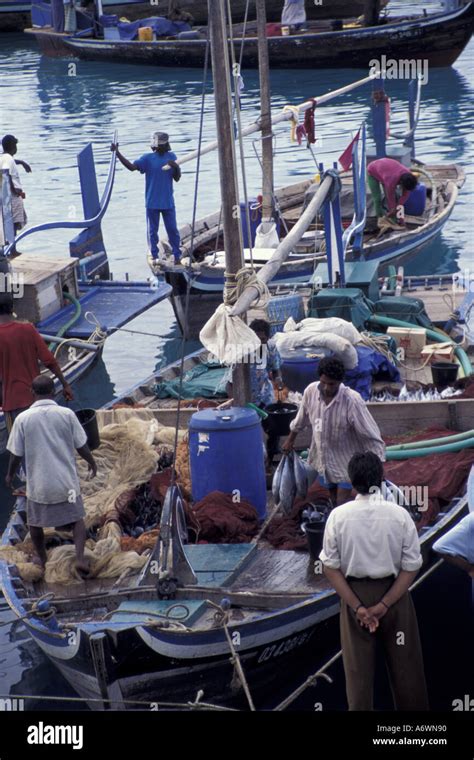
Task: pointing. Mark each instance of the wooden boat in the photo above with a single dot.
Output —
(309, 260)
(111, 656)
(15, 15)
(438, 39)
(119, 645)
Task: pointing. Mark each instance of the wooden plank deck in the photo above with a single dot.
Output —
(272, 570)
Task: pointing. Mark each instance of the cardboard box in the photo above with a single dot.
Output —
(438, 352)
(411, 339)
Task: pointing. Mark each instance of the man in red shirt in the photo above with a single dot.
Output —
(390, 174)
(21, 350)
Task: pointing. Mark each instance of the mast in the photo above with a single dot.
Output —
(228, 176)
(371, 12)
(266, 113)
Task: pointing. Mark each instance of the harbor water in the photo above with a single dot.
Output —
(56, 106)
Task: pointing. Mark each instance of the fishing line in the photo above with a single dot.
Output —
(188, 284)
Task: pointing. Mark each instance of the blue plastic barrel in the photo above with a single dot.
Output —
(226, 454)
(255, 213)
(300, 370)
(416, 202)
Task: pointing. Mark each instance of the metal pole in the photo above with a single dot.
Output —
(266, 112)
(228, 176)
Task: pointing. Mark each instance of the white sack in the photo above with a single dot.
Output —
(228, 338)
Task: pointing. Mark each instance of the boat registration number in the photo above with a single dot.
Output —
(285, 646)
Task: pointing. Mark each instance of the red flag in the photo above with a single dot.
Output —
(345, 159)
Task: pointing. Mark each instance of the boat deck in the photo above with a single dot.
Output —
(109, 304)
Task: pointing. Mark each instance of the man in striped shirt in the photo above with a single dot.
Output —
(342, 426)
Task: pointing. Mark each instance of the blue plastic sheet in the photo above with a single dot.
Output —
(128, 30)
(371, 365)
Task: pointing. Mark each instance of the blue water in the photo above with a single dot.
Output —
(54, 114)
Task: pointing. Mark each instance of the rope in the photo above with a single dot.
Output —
(197, 704)
(235, 285)
(222, 616)
(98, 336)
(293, 121)
(34, 611)
(236, 70)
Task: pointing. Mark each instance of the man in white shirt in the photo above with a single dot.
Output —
(47, 436)
(371, 556)
(457, 545)
(7, 161)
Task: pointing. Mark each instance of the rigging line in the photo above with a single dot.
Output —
(236, 74)
(188, 284)
(244, 32)
(275, 200)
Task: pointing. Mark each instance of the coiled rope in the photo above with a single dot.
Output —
(235, 285)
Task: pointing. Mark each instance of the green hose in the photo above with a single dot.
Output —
(449, 447)
(433, 334)
(72, 321)
(392, 277)
(257, 409)
(432, 441)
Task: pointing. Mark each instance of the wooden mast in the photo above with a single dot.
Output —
(228, 176)
(266, 113)
(371, 12)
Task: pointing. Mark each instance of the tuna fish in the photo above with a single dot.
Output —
(301, 476)
(287, 484)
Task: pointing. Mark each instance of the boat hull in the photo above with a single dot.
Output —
(154, 664)
(438, 40)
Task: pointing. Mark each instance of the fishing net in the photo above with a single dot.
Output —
(224, 521)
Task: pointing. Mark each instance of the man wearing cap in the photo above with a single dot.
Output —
(9, 144)
(159, 198)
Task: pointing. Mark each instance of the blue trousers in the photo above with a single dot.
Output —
(153, 222)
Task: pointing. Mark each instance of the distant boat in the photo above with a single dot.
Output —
(15, 14)
(439, 39)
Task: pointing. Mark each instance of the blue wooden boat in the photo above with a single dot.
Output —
(121, 646)
(362, 241)
(438, 38)
(70, 299)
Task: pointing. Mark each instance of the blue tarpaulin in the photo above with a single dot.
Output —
(371, 366)
(128, 30)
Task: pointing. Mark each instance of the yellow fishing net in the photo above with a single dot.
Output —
(127, 458)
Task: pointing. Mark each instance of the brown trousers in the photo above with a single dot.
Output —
(399, 635)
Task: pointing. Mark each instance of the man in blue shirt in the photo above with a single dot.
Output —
(457, 546)
(159, 199)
